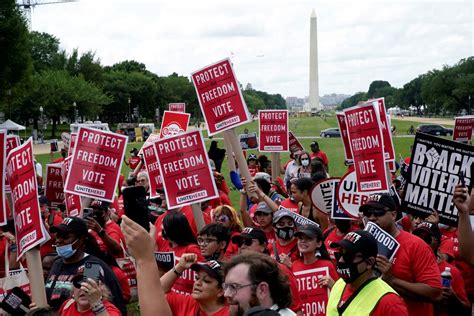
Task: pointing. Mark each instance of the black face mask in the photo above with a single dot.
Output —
(348, 271)
(285, 233)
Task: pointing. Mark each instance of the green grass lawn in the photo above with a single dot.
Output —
(302, 127)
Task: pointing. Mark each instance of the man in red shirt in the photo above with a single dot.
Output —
(414, 273)
(359, 291)
(318, 153)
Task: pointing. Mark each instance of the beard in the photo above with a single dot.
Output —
(252, 303)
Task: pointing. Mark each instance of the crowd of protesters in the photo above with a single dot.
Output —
(247, 258)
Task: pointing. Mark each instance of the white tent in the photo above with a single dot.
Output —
(9, 125)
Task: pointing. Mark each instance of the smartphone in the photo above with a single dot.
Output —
(87, 212)
(16, 302)
(92, 271)
(136, 206)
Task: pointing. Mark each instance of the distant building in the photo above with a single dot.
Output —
(334, 99)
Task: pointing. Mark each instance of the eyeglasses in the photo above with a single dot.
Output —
(245, 241)
(234, 287)
(377, 212)
(205, 241)
(221, 218)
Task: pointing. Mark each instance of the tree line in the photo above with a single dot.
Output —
(36, 73)
(446, 91)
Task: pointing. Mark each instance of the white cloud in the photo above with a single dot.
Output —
(358, 41)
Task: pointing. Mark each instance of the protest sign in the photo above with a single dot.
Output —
(435, 169)
(3, 158)
(341, 121)
(273, 130)
(21, 173)
(386, 245)
(177, 107)
(72, 143)
(463, 127)
(12, 141)
(322, 194)
(54, 184)
(389, 150)
(336, 211)
(365, 138)
(295, 144)
(65, 137)
(165, 260)
(96, 164)
(300, 220)
(174, 123)
(313, 296)
(150, 140)
(72, 201)
(153, 170)
(184, 168)
(348, 197)
(248, 141)
(220, 97)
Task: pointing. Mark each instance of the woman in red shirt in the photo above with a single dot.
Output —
(207, 298)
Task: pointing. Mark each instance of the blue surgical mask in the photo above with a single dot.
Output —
(66, 251)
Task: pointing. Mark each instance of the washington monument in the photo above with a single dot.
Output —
(313, 65)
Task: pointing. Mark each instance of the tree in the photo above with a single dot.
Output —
(45, 52)
(253, 101)
(176, 88)
(375, 87)
(353, 100)
(15, 60)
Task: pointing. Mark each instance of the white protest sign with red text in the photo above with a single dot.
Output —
(3, 158)
(273, 131)
(177, 107)
(185, 169)
(347, 195)
(389, 150)
(341, 121)
(174, 123)
(153, 169)
(463, 127)
(72, 143)
(54, 184)
(13, 141)
(365, 138)
(21, 174)
(72, 201)
(322, 194)
(295, 144)
(313, 296)
(96, 163)
(220, 97)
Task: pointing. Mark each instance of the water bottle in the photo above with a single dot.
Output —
(446, 277)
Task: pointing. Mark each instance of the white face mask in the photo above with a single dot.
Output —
(305, 162)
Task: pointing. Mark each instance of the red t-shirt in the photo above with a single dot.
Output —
(290, 250)
(184, 284)
(321, 155)
(389, 304)
(289, 204)
(332, 237)
(69, 308)
(299, 265)
(296, 304)
(133, 162)
(232, 249)
(123, 280)
(415, 262)
(185, 305)
(113, 230)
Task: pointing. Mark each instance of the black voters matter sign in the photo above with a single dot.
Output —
(220, 97)
(273, 130)
(96, 164)
(386, 245)
(184, 168)
(436, 167)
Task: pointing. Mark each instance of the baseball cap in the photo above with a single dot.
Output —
(358, 241)
(379, 200)
(43, 200)
(312, 231)
(73, 225)
(264, 208)
(100, 205)
(280, 214)
(262, 175)
(252, 157)
(251, 233)
(427, 228)
(315, 143)
(211, 267)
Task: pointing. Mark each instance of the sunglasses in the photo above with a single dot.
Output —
(377, 212)
(245, 241)
(347, 256)
(221, 218)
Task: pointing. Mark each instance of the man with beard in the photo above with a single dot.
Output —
(359, 291)
(107, 233)
(254, 279)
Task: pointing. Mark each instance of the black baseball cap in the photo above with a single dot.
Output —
(312, 231)
(379, 200)
(427, 228)
(73, 225)
(212, 268)
(251, 233)
(358, 241)
(280, 214)
(252, 157)
(100, 205)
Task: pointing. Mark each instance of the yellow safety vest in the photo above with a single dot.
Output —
(365, 301)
